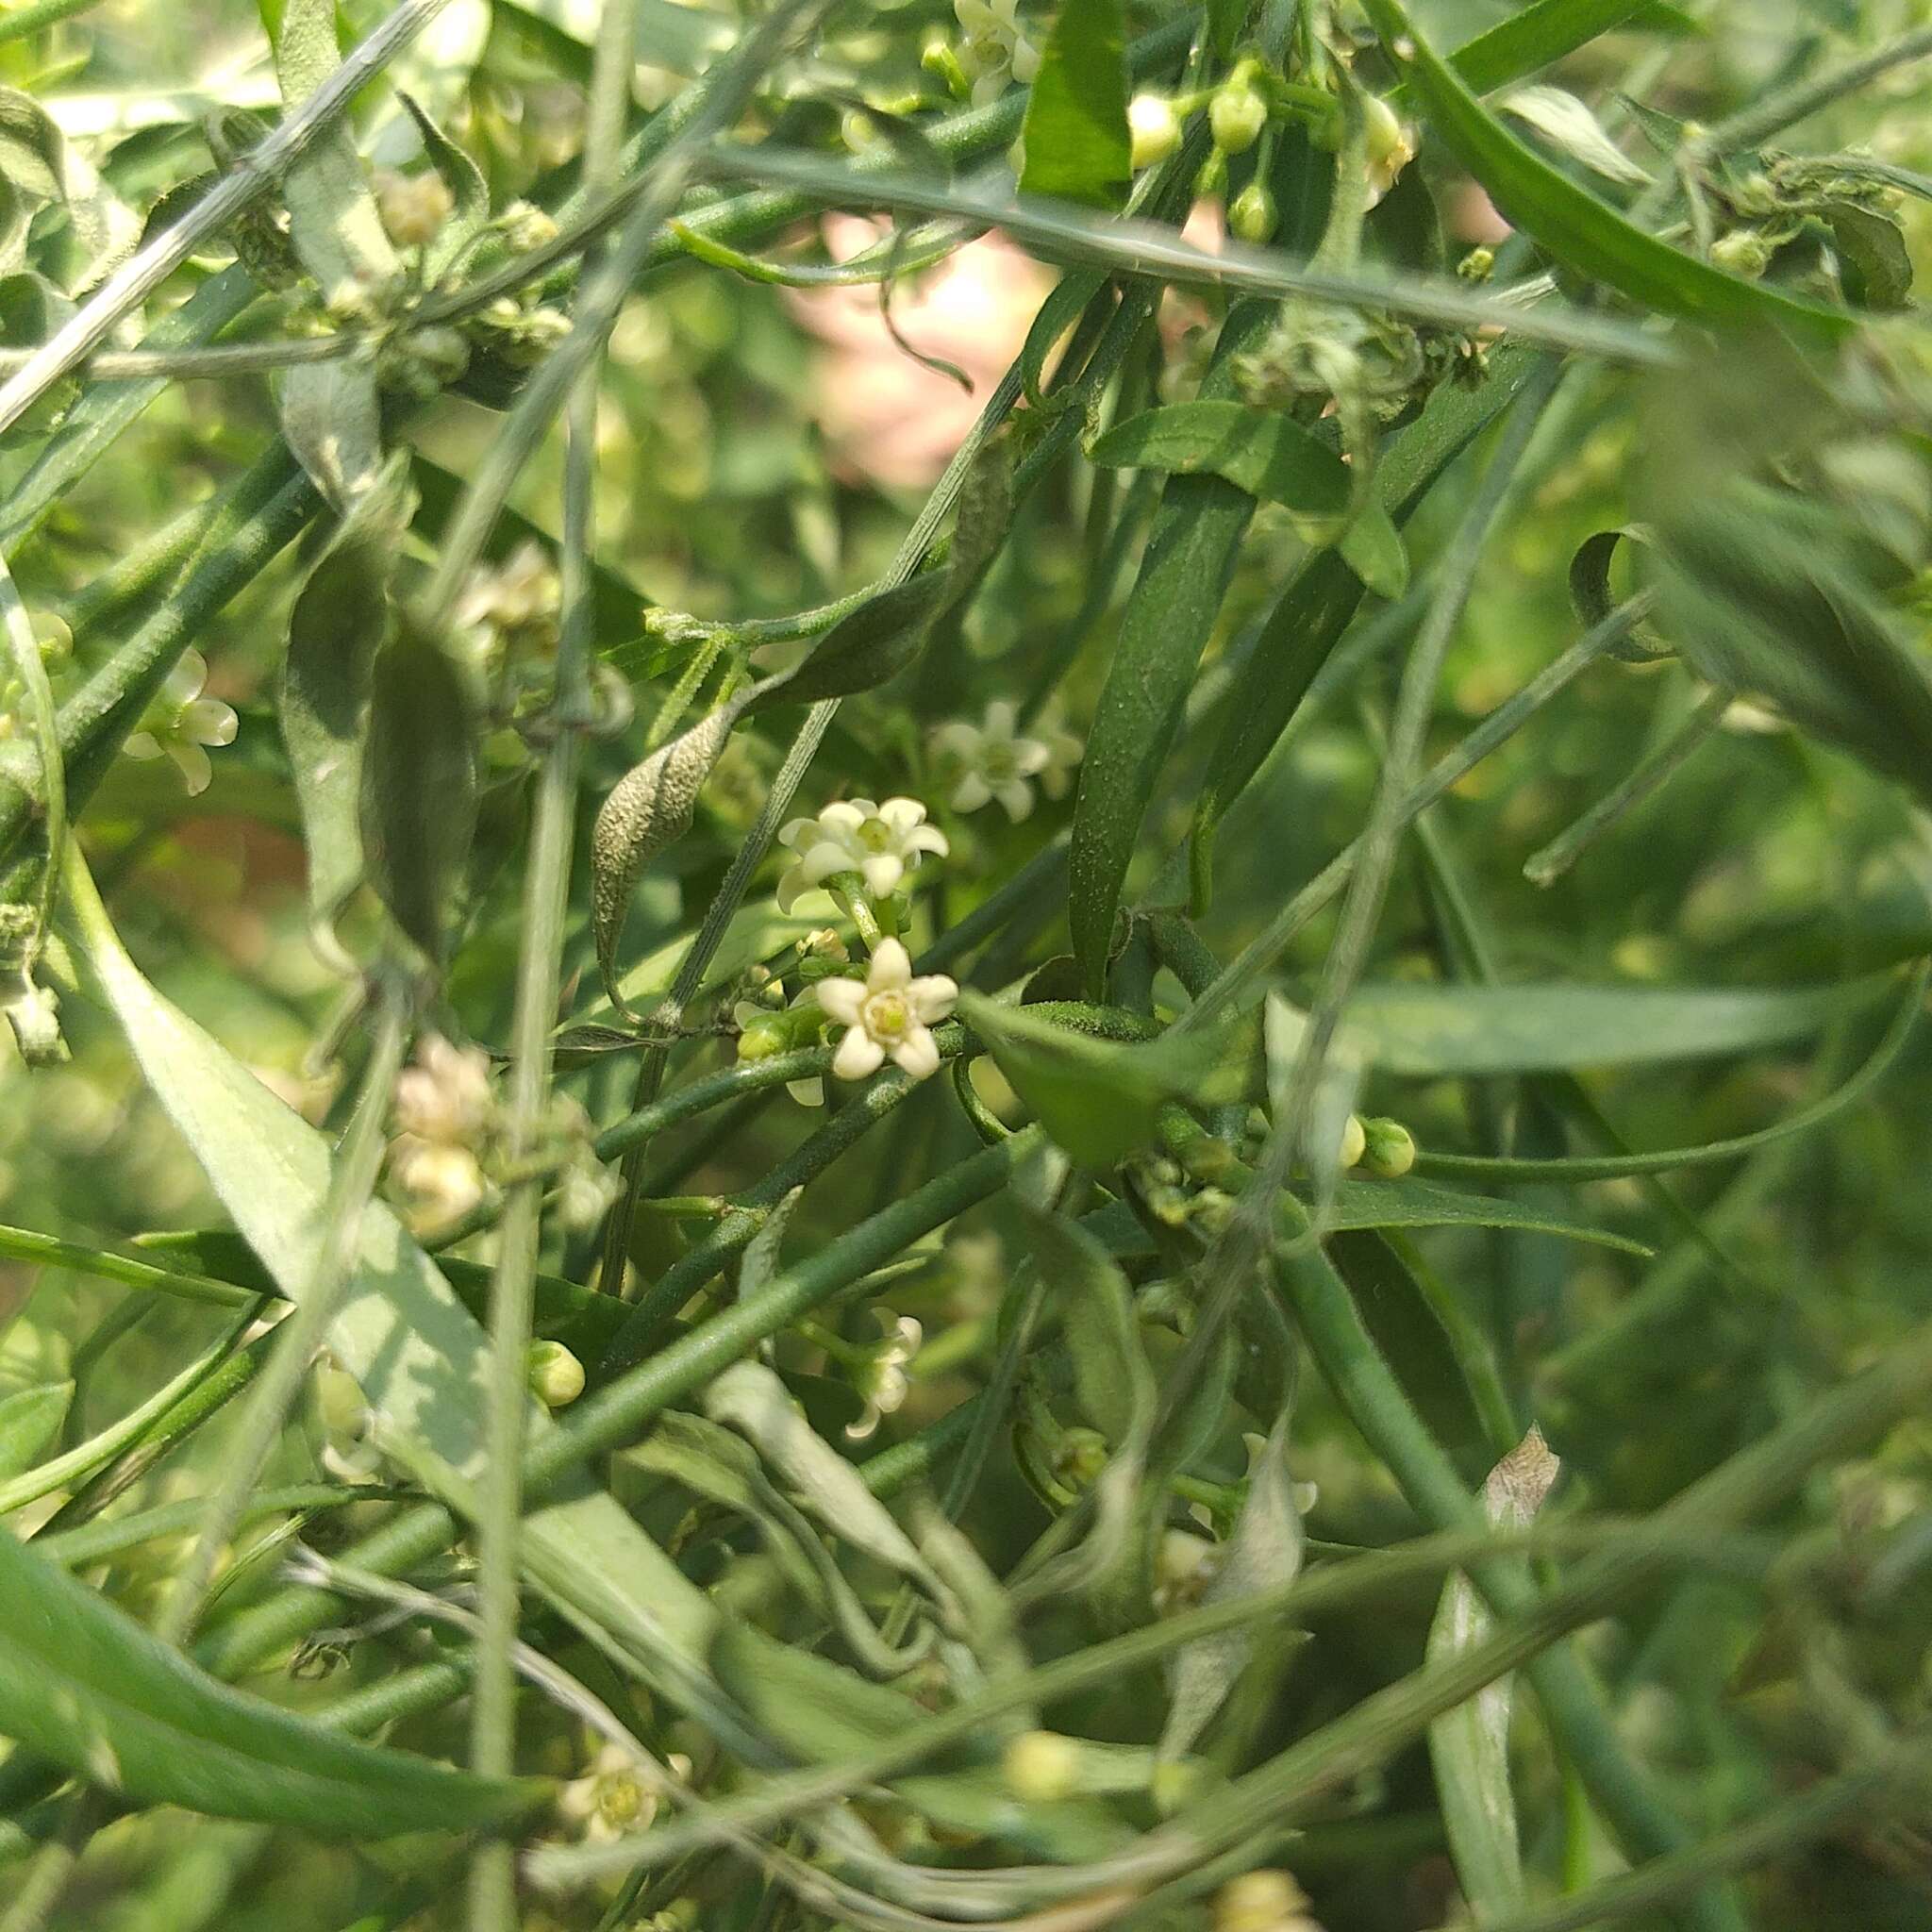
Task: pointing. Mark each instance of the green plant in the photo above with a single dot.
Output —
(491, 1433)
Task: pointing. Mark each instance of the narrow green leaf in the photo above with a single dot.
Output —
(1468, 1029)
(1567, 123)
(1412, 1203)
(331, 419)
(29, 1420)
(84, 1685)
(417, 802)
(1537, 35)
(1582, 232)
(1372, 546)
(1170, 616)
(340, 619)
(1470, 1747)
(1075, 131)
(1264, 452)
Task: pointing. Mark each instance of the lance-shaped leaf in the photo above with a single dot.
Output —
(1076, 132)
(419, 783)
(650, 808)
(338, 623)
(468, 191)
(82, 1684)
(1113, 1381)
(1470, 1747)
(1561, 119)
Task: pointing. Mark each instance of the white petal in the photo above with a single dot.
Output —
(865, 1427)
(823, 859)
(932, 996)
(187, 679)
(192, 763)
(891, 967)
(798, 832)
(806, 1092)
(902, 814)
(841, 999)
(958, 739)
(918, 1053)
(208, 721)
(791, 882)
(1002, 717)
(1016, 799)
(143, 745)
(971, 793)
(882, 872)
(858, 1054)
(1025, 60)
(1030, 755)
(926, 839)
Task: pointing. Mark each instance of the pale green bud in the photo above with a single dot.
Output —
(1155, 127)
(555, 1375)
(1237, 114)
(1041, 1766)
(1250, 214)
(1389, 1149)
(1355, 1142)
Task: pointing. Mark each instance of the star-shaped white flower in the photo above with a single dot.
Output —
(882, 843)
(889, 1012)
(180, 723)
(881, 1381)
(995, 48)
(992, 760)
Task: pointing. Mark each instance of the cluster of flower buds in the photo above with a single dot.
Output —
(449, 1137)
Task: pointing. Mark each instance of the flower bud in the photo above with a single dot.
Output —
(1263, 1901)
(557, 1376)
(524, 225)
(1355, 1141)
(763, 1039)
(1041, 1766)
(1251, 213)
(1742, 252)
(1237, 114)
(938, 58)
(1392, 145)
(1156, 129)
(413, 207)
(1478, 265)
(1213, 179)
(1387, 1149)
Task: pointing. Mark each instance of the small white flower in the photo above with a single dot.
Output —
(995, 49)
(992, 760)
(181, 722)
(882, 1380)
(413, 208)
(610, 1798)
(445, 1095)
(883, 844)
(887, 1012)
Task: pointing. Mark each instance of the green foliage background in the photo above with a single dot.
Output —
(1742, 1291)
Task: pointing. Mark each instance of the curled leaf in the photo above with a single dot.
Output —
(650, 808)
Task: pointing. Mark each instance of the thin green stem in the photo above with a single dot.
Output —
(30, 670)
(546, 905)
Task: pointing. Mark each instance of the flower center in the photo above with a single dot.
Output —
(997, 763)
(620, 1799)
(875, 835)
(887, 1015)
